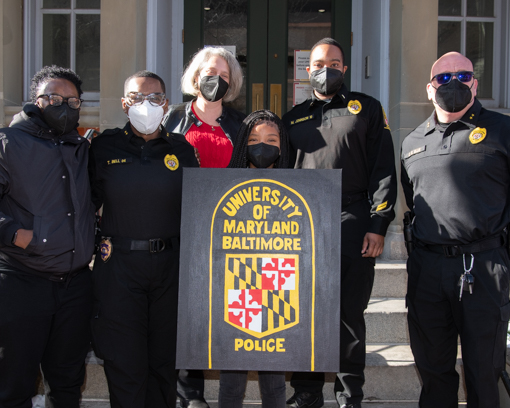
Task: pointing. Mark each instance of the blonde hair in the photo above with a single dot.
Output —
(188, 83)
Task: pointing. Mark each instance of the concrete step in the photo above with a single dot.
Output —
(386, 320)
(390, 279)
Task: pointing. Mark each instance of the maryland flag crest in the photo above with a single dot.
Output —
(261, 293)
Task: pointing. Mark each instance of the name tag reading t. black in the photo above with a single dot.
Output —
(119, 161)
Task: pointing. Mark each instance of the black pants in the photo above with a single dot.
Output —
(190, 384)
(436, 318)
(357, 281)
(134, 326)
(43, 323)
(356, 287)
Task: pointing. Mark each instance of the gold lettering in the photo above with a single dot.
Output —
(279, 345)
(270, 348)
(232, 211)
(276, 228)
(296, 212)
(257, 211)
(238, 344)
(294, 227)
(250, 227)
(247, 194)
(248, 345)
(267, 244)
(277, 243)
(229, 226)
(288, 244)
(266, 191)
(236, 243)
(227, 242)
(256, 191)
(275, 195)
(257, 346)
(297, 244)
(289, 204)
(237, 201)
(240, 228)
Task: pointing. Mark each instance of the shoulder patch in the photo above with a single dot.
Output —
(477, 135)
(387, 125)
(415, 151)
(295, 122)
(354, 107)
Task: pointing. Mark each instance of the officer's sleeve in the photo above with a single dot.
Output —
(96, 182)
(8, 225)
(382, 186)
(407, 186)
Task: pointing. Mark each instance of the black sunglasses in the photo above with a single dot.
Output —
(446, 77)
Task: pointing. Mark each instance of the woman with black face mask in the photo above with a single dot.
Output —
(213, 76)
(262, 142)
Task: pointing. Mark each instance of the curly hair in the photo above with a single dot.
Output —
(239, 159)
(198, 62)
(48, 73)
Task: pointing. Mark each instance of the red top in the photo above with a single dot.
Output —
(213, 145)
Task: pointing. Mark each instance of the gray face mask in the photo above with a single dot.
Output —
(327, 81)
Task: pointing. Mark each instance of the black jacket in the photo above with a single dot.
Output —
(180, 117)
(349, 132)
(44, 187)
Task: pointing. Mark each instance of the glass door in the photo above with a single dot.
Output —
(265, 35)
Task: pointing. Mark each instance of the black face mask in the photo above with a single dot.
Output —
(453, 96)
(327, 81)
(61, 118)
(213, 88)
(262, 155)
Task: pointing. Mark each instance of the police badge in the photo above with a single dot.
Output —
(105, 249)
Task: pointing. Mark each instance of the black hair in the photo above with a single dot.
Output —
(145, 74)
(239, 159)
(329, 41)
(48, 73)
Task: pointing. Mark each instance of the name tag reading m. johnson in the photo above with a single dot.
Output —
(260, 270)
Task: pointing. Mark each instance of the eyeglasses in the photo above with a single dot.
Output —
(57, 100)
(446, 77)
(136, 98)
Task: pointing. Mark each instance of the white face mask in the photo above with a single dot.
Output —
(145, 117)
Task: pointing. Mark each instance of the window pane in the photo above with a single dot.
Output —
(479, 49)
(88, 4)
(449, 7)
(448, 38)
(56, 33)
(56, 4)
(306, 26)
(480, 8)
(87, 50)
(225, 24)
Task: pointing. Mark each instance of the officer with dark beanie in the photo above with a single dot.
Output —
(136, 174)
(456, 180)
(339, 129)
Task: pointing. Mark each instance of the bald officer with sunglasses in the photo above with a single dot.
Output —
(456, 180)
(136, 174)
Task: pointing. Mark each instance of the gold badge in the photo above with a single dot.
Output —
(386, 123)
(171, 162)
(477, 135)
(354, 107)
(105, 249)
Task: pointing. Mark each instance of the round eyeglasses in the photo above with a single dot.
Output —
(136, 98)
(57, 100)
(446, 77)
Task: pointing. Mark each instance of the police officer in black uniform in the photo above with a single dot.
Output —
(136, 174)
(333, 129)
(456, 179)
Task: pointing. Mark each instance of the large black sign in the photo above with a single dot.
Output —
(260, 270)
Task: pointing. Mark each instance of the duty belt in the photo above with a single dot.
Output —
(153, 245)
(348, 199)
(451, 251)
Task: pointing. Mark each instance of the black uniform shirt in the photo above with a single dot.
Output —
(349, 132)
(139, 183)
(457, 178)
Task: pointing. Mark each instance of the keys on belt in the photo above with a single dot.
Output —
(467, 280)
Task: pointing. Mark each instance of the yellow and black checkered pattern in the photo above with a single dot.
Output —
(276, 308)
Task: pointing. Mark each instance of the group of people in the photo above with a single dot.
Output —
(455, 175)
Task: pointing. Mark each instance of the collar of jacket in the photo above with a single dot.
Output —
(198, 122)
(469, 119)
(132, 137)
(341, 97)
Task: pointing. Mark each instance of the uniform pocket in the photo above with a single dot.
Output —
(499, 356)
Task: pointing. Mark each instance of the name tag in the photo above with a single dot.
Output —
(295, 122)
(119, 161)
(415, 151)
